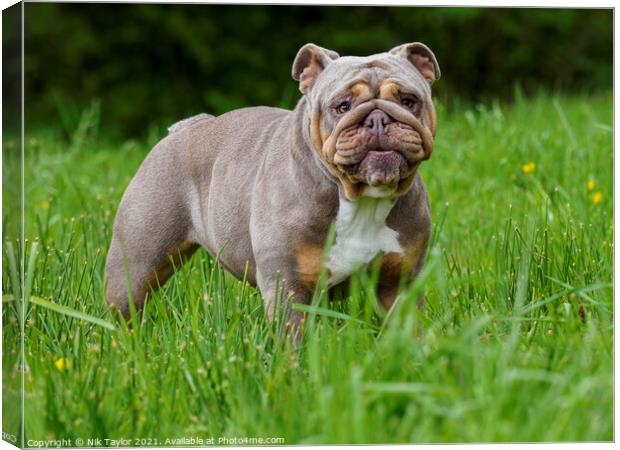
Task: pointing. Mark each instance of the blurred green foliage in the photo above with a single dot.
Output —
(155, 64)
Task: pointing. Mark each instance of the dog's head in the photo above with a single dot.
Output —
(372, 119)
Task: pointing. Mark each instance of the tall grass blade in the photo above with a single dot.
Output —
(61, 309)
(32, 257)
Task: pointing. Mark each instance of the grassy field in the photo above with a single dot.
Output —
(515, 342)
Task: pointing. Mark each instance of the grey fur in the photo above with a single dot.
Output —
(178, 126)
(250, 184)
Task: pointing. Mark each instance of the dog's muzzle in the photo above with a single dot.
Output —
(379, 143)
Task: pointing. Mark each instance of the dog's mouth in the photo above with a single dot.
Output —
(381, 167)
(378, 151)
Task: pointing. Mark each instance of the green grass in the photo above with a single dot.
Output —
(515, 342)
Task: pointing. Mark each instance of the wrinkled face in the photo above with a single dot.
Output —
(372, 122)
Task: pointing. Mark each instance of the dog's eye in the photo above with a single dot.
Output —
(343, 107)
(408, 102)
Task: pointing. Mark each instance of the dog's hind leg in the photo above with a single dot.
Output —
(152, 236)
(133, 272)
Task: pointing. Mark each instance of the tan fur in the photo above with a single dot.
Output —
(391, 266)
(309, 258)
(425, 66)
(388, 90)
(324, 143)
(431, 119)
(395, 266)
(415, 251)
(309, 74)
(315, 133)
(361, 90)
(392, 269)
(421, 57)
(309, 63)
(387, 295)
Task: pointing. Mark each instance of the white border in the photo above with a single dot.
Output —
(460, 3)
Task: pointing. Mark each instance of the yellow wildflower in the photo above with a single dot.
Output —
(529, 167)
(61, 364)
(597, 197)
(44, 204)
(591, 184)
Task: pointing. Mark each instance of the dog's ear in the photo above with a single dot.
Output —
(421, 57)
(310, 61)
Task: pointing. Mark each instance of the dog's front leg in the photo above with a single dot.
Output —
(281, 289)
(395, 266)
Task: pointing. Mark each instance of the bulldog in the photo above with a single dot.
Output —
(260, 187)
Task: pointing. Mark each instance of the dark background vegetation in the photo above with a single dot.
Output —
(154, 64)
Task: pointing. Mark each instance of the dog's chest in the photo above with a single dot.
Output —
(361, 233)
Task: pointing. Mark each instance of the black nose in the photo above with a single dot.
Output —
(376, 121)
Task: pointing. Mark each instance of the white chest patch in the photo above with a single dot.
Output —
(361, 233)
